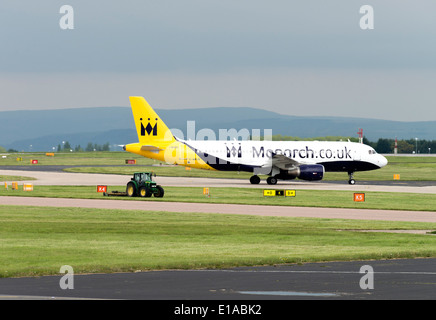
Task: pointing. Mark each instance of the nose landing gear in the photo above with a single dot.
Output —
(351, 178)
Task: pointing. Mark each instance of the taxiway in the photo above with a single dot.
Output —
(93, 179)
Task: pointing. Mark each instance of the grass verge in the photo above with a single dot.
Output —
(304, 198)
(4, 178)
(38, 241)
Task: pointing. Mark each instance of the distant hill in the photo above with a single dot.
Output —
(44, 129)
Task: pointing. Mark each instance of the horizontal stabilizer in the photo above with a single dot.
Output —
(151, 149)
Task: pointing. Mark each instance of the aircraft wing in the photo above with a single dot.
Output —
(283, 162)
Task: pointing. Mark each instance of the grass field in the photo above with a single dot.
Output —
(14, 178)
(71, 158)
(303, 198)
(37, 241)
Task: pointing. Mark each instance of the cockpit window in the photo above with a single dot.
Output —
(371, 151)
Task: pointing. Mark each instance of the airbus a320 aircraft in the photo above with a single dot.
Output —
(280, 160)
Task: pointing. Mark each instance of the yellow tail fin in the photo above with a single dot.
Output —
(149, 127)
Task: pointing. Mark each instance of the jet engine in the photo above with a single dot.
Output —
(309, 172)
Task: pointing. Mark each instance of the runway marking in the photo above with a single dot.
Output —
(309, 271)
(290, 293)
(24, 297)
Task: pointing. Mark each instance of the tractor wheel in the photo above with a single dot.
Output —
(159, 192)
(131, 189)
(144, 192)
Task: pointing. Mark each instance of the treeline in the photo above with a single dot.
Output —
(381, 145)
(66, 146)
(403, 146)
(279, 137)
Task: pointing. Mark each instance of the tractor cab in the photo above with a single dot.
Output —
(142, 176)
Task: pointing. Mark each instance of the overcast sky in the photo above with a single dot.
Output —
(293, 57)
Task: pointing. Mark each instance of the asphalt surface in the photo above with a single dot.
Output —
(386, 279)
(60, 168)
(282, 211)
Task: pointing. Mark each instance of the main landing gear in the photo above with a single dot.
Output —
(256, 180)
(271, 180)
(351, 178)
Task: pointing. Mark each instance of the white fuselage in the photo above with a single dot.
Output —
(335, 156)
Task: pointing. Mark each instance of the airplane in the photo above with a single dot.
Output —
(279, 160)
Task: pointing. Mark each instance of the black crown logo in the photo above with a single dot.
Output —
(149, 129)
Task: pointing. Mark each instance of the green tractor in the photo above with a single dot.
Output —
(143, 185)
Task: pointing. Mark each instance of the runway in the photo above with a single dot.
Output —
(391, 279)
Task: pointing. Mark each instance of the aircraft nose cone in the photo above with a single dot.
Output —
(382, 161)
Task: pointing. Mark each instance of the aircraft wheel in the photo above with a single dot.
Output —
(351, 178)
(271, 180)
(254, 180)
